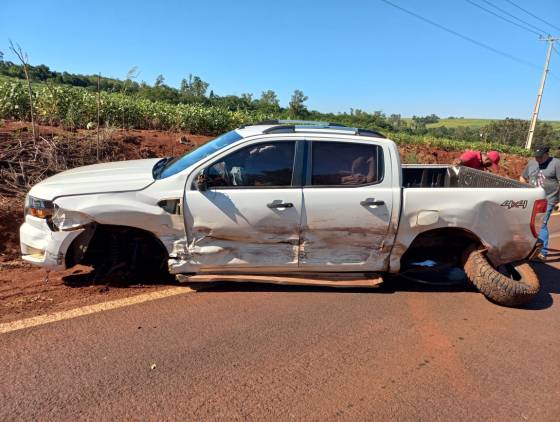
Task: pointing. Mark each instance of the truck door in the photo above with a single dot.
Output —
(347, 206)
(250, 213)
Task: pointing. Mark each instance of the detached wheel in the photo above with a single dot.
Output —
(512, 285)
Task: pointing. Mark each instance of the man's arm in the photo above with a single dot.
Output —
(525, 175)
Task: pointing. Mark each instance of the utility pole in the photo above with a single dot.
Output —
(551, 40)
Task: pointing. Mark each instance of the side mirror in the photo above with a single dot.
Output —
(201, 182)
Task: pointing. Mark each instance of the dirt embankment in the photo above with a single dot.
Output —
(510, 165)
(27, 291)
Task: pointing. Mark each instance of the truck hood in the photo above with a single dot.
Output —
(120, 176)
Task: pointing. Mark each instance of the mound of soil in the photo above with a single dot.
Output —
(510, 165)
(11, 217)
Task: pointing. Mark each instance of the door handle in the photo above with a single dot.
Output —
(371, 201)
(280, 204)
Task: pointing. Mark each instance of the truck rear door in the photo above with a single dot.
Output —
(348, 201)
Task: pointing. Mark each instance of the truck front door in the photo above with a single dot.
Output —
(250, 213)
(347, 206)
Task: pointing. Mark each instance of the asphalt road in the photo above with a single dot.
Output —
(402, 351)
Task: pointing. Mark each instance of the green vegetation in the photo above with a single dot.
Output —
(70, 100)
(454, 123)
(75, 108)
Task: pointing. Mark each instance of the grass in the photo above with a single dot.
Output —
(479, 123)
(475, 123)
(462, 122)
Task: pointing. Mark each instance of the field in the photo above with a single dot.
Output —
(475, 123)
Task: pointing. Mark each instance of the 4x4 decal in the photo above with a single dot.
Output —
(515, 204)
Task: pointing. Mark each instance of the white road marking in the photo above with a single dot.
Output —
(8, 327)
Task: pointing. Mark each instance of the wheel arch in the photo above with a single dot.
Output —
(442, 242)
(97, 240)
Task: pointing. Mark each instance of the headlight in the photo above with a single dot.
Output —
(39, 208)
(69, 220)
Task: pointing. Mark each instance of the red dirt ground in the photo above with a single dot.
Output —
(27, 291)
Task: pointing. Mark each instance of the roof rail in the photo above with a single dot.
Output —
(290, 126)
(280, 129)
(293, 122)
(352, 130)
(372, 133)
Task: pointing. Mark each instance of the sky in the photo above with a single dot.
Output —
(361, 54)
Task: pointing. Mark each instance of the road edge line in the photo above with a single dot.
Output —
(8, 327)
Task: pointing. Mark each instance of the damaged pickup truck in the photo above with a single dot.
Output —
(288, 201)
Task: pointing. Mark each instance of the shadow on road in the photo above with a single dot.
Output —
(87, 279)
(391, 284)
(549, 277)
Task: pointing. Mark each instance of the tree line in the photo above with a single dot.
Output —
(192, 90)
(195, 91)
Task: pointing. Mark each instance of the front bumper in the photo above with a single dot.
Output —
(41, 246)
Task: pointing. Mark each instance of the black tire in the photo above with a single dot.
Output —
(518, 287)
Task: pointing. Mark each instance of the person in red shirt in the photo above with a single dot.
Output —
(479, 160)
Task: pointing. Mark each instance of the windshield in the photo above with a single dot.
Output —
(178, 164)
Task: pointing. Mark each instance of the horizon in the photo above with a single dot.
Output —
(417, 81)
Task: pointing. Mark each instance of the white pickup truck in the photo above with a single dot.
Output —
(283, 199)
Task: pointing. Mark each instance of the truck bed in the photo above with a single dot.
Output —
(446, 176)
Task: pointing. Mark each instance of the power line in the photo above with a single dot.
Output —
(533, 15)
(465, 37)
(502, 18)
(514, 17)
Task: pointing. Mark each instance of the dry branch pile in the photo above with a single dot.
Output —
(25, 162)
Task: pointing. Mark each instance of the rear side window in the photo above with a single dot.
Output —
(259, 165)
(345, 164)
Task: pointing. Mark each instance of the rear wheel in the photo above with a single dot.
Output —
(510, 285)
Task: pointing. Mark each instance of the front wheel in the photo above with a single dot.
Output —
(513, 285)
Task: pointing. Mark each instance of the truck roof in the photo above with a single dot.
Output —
(305, 126)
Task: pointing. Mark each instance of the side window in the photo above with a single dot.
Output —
(267, 164)
(345, 164)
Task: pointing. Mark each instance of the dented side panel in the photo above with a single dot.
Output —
(234, 228)
(339, 233)
(504, 231)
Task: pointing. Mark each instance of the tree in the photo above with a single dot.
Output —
(159, 80)
(297, 109)
(194, 87)
(269, 102)
(514, 132)
(396, 121)
(22, 56)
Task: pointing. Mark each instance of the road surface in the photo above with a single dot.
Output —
(402, 351)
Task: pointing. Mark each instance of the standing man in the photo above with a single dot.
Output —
(479, 160)
(544, 171)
